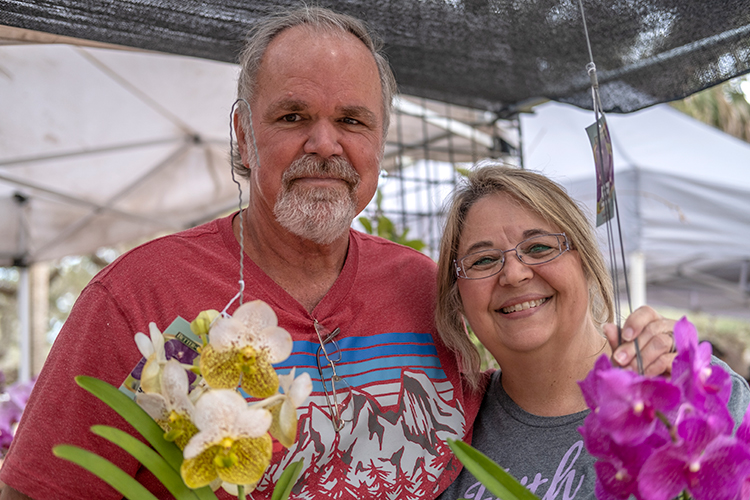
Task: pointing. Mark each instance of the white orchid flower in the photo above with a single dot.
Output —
(153, 350)
(243, 347)
(232, 443)
(296, 391)
(172, 408)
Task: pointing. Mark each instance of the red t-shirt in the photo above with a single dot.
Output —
(407, 397)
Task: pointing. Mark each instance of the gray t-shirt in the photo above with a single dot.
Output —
(546, 454)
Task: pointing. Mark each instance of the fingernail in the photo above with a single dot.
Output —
(627, 334)
(620, 357)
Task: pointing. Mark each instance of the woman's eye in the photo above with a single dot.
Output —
(538, 248)
(484, 261)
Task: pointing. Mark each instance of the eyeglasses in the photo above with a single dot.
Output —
(532, 252)
(327, 357)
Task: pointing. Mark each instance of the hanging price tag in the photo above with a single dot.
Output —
(601, 144)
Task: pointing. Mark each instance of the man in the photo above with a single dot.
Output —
(319, 96)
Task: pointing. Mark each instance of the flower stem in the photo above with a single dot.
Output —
(673, 435)
(241, 492)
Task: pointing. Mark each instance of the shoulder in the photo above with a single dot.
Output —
(195, 245)
(740, 398)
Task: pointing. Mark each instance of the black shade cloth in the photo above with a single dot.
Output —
(491, 54)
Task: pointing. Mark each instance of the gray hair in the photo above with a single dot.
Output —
(318, 19)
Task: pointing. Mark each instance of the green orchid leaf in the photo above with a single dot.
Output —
(287, 480)
(104, 470)
(492, 476)
(135, 416)
(150, 459)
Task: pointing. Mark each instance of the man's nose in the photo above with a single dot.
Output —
(323, 140)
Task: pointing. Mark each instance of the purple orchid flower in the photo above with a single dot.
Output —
(708, 464)
(706, 387)
(590, 385)
(630, 412)
(619, 465)
(12, 402)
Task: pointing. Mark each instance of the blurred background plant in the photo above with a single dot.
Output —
(13, 400)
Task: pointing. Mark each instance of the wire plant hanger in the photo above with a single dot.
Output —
(611, 210)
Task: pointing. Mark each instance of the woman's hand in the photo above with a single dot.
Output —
(655, 339)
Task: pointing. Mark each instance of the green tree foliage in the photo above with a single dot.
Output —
(723, 106)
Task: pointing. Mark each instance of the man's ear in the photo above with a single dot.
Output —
(239, 133)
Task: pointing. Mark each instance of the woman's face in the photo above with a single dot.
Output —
(522, 308)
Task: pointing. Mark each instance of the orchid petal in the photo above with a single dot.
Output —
(227, 333)
(153, 404)
(300, 390)
(254, 455)
(259, 379)
(199, 471)
(218, 408)
(256, 315)
(279, 344)
(252, 422)
(144, 344)
(158, 340)
(219, 368)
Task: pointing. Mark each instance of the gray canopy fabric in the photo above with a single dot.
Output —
(490, 54)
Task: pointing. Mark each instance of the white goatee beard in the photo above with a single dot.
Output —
(317, 214)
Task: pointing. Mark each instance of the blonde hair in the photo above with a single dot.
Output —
(548, 200)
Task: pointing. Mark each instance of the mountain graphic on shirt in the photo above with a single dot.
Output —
(401, 454)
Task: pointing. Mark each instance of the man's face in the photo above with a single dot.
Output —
(318, 122)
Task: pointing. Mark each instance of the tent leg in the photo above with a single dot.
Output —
(24, 320)
(637, 273)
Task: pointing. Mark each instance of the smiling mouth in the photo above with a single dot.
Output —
(523, 306)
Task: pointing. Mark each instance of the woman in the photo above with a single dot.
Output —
(519, 262)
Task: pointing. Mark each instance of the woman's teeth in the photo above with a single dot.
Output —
(523, 306)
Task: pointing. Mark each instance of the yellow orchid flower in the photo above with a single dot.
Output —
(153, 350)
(172, 409)
(243, 347)
(284, 411)
(232, 443)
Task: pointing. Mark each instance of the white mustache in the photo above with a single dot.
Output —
(314, 166)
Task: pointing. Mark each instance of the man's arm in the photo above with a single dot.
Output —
(9, 493)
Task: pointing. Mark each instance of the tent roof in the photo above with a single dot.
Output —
(683, 191)
(660, 138)
(490, 54)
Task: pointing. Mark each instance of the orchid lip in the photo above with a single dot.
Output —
(523, 305)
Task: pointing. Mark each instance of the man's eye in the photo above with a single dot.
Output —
(292, 117)
(350, 121)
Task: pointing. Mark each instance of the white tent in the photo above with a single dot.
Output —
(103, 146)
(683, 190)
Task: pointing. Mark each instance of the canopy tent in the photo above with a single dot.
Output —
(165, 118)
(683, 191)
(490, 54)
